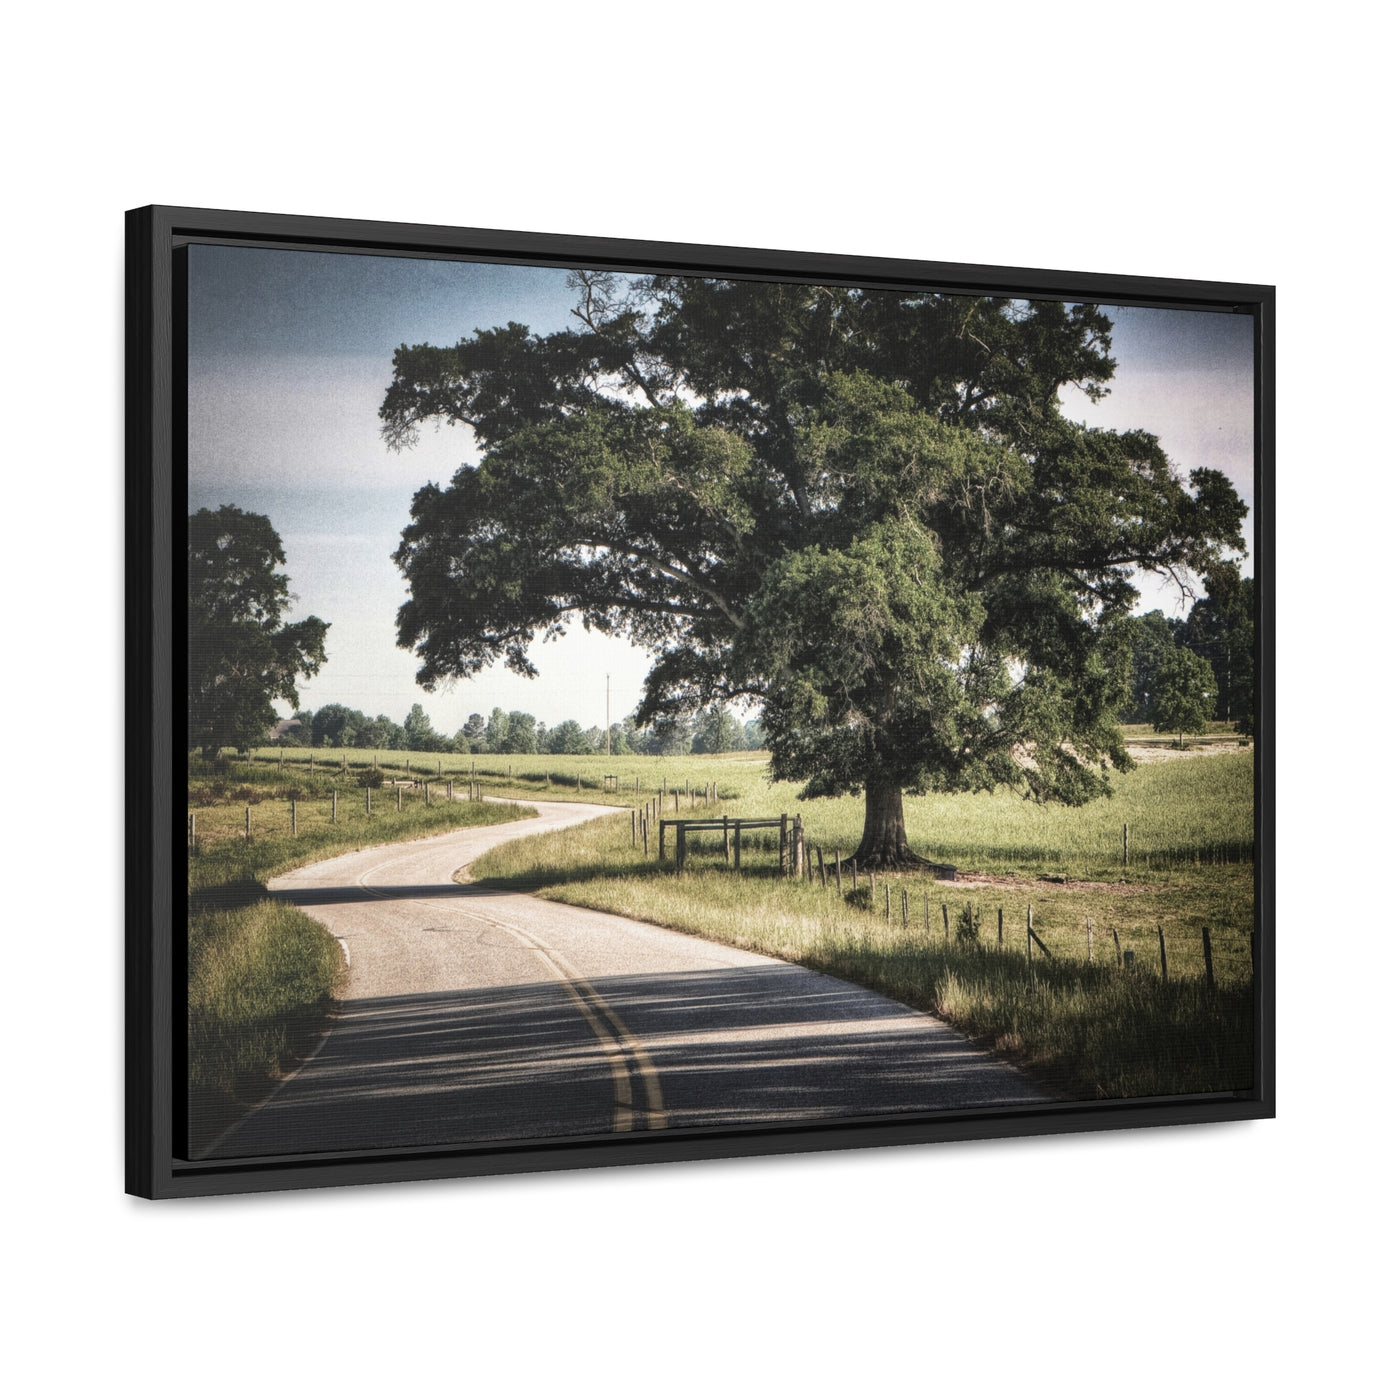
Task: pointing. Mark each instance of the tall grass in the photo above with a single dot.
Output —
(261, 979)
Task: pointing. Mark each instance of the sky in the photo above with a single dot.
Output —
(290, 353)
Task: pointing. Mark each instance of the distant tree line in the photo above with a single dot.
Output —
(1184, 671)
(1209, 652)
(335, 726)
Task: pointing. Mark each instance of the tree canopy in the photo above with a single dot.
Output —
(242, 656)
(863, 509)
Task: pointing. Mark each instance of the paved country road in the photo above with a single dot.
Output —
(481, 1015)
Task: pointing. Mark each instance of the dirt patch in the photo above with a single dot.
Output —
(1035, 882)
(1152, 753)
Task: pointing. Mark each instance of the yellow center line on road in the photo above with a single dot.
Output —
(626, 1053)
(623, 1115)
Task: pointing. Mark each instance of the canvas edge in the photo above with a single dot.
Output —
(152, 233)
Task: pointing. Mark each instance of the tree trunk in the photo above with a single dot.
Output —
(884, 845)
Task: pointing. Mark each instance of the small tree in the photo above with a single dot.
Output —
(418, 732)
(497, 728)
(1183, 694)
(336, 726)
(522, 733)
(717, 731)
(567, 738)
(242, 656)
(1152, 636)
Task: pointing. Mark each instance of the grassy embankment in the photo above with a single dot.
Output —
(1085, 1029)
(261, 974)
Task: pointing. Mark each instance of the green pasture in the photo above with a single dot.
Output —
(1184, 812)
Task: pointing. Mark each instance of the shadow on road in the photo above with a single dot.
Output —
(359, 894)
(736, 1045)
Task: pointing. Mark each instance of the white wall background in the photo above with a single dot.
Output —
(1210, 141)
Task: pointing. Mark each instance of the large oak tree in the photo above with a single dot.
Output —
(863, 509)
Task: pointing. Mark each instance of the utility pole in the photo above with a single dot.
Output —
(607, 716)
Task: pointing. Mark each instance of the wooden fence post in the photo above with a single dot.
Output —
(945, 919)
(782, 844)
(449, 790)
(366, 801)
(838, 871)
(871, 873)
(294, 816)
(799, 846)
(738, 842)
(248, 832)
(904, 902)
(1210, 965)
(634, 826)
(1125, 843)
(333, 803)
(1090, 924)
(398, 796)
(725, 819)
(1162, 948)
(887, 900)
(645, 835)
(680, 848)
(661, 841)
(1000, 942)
(1117, 948)
(821, 866)
(1030, 961)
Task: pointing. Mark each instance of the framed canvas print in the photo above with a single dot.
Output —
(598, 702)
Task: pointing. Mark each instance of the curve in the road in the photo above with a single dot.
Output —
(476, 1015)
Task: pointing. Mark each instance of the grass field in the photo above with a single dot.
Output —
(1179, 814)
(1088, 1029)
(261, 974)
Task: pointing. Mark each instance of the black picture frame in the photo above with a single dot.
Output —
(155, 426)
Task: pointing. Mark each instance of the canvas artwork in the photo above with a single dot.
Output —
(628, 705)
